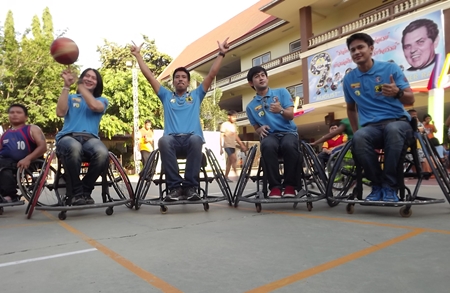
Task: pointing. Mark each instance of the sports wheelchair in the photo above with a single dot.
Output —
(51, 192)
(146, 179)
(312, 174)
(345, 175)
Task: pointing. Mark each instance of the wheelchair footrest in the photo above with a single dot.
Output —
(391, 204)
(281, 200)
(83, 207)
(159, 202)
(11, 204)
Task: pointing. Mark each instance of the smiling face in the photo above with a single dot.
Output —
(419, 48)
(90, 80)
(180, 81)
(360, 52)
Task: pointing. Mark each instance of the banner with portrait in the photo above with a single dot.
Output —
(416, 56)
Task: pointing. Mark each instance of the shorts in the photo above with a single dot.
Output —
(230, 151)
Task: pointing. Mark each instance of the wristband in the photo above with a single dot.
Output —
(65, 88)
(221, 54)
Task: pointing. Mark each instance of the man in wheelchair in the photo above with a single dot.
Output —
(375, 93)
(19, 146)
(271, 112)
(78, 140)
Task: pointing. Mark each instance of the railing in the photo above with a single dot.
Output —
(241, 116)
(285, 59)
(390, 12)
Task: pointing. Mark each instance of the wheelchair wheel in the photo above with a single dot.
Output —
(145, 178)
(27, 178)
(44, 193)
(438, 170)
(314, 169)
(341, 176)
(219, 176)
(245, 175)
(120, 180)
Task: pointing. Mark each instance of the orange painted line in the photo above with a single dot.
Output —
(332, 264)
(141, 273)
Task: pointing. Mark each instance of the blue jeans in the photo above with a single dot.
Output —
(393, 137)
(187, 146)
(73, 150)
(286, 145)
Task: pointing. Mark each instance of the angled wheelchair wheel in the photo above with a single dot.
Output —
(245, 175)
(27, 178)
(313, 170)
(219, 176)
(341, 176)
(120, 181)
(145, 178)
(44, 193)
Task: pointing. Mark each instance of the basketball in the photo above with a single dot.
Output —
(64, 51)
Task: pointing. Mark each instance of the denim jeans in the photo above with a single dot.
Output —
(72, 151)
(188, 146)
(8, 185)
(393, 137)
(287, 145)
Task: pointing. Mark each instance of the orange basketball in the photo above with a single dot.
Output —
(64, 51)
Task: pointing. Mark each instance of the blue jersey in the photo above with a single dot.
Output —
(79, 118)
(258, 111)
(17, 143)
(364, 90)
(182, 114)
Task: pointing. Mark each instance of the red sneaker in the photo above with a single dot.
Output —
(289, 191)
(275, 193)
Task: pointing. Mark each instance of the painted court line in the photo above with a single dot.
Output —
(141, 273)
(334, 263)
(6, 264)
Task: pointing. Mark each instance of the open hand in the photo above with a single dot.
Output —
(69, 77)
(263, 131)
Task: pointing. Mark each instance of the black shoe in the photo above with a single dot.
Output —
(78, 200)
(174, 194)
(88, 199)
(192, 194)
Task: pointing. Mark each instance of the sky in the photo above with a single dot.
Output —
(173, 24)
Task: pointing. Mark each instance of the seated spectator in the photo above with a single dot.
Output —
(332, 144)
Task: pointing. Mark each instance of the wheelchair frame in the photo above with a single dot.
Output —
(311, 173)
(62, 202)
(354, 178)
(146, 178)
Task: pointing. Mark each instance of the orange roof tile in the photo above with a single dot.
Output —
(244, 23)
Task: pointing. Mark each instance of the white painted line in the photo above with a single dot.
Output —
(6, 264)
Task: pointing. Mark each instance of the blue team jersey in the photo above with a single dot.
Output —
(258, 111)
(79, 118)
(182, 114)
(17, 143)
(364, 90)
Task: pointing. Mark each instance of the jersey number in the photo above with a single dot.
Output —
(21, 145)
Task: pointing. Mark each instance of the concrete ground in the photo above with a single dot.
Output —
(228, 249)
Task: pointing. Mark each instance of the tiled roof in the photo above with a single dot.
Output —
(240, 25)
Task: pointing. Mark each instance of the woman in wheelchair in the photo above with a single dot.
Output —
(19, 146)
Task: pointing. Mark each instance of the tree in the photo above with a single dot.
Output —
(118, 88)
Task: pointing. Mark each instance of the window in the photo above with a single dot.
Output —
(294, 46)
(296, 91)
(261, 59)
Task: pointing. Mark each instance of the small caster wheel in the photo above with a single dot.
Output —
(405, 212)
(163, 209)
(309, 206)
(62, 215)
(109, 211)
(206, 206)
(295, 205)
(258, 207)
(350, 208)
(1, 210)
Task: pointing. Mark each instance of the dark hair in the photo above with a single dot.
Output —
(360, 36)
(412, 111)
(434, 141)
(255, 70)
(431, 26)
(335, 123)
(147, 121)
(182, 69)
(98, 91)
(25, 110)
(232, 113)
(426, 116)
